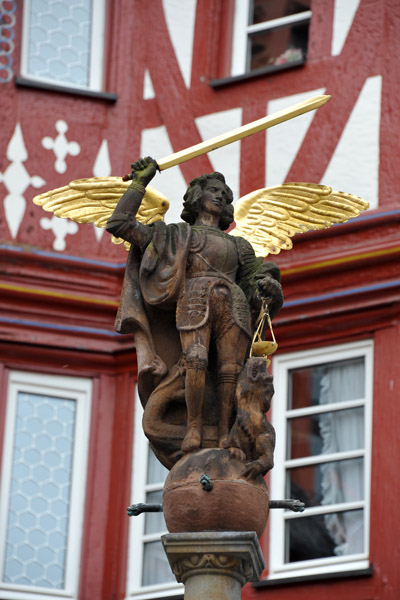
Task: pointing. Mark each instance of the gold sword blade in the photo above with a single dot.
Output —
(241, 132)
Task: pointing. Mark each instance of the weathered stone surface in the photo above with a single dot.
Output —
(192, 296)
(233, 504)
(214, 564)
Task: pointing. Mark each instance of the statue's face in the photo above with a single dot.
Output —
(215, 197)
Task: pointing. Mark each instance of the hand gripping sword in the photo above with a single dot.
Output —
(241, 132)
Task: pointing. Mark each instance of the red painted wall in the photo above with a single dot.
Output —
(347, 278)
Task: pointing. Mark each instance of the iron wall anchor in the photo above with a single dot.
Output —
(294, 505)
(137, 509)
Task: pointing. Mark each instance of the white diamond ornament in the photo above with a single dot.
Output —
(16, 149)
(102, 164)
(14, 208)
(17, 179)
(101, 168)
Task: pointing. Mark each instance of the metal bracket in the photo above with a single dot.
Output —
(294, 505)
(137, 509)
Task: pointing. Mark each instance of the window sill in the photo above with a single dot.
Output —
(160, 594)
(216, 83)
(308, 578)
(53, 87)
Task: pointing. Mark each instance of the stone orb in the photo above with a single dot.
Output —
(233, 504)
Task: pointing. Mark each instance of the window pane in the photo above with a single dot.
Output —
(156, 568)
(40, 491)
(278, 46)
(154, 522)
(336, 431)
(156, 472)
(327, 483)
(323, 384)
(59, 40)
(265, 10)
(321, 536)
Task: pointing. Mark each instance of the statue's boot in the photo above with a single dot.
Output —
(192, 439)
(195, 380)
(227, 379)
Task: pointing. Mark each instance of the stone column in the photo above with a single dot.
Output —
(214, 565)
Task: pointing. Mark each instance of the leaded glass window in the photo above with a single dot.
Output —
(43, 475)
(63, 42)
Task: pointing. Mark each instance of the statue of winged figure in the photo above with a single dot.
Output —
(192, 293)
(195, 297)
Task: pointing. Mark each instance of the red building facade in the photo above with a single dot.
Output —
(85, 90)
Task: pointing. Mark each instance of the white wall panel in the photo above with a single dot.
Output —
(354, 166)
(180, 17)
(284, 140)
(342, 21)
(155, 142)
(226, 159)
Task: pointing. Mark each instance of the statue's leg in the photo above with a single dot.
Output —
(195, 346)
(232, 349)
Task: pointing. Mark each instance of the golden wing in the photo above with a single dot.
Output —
(93, 201)
(269, 217)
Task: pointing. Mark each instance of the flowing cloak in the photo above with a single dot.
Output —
(153, 280)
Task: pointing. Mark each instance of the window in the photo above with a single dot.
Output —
(63, 42)
(269, 34)
(322, 416)
(150, 575)
(43, 485)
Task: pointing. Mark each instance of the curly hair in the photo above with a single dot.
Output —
(194, 194)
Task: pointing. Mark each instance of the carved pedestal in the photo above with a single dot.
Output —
(214, 565)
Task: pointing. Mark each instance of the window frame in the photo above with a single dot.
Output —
(137, 537)
(282, 365)
(96, 52)
(78, 389)
(242, 31)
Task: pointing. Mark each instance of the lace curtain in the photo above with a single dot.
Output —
(341, 431)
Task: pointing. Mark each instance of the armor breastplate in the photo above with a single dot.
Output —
(213, 260)
(212, 253)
